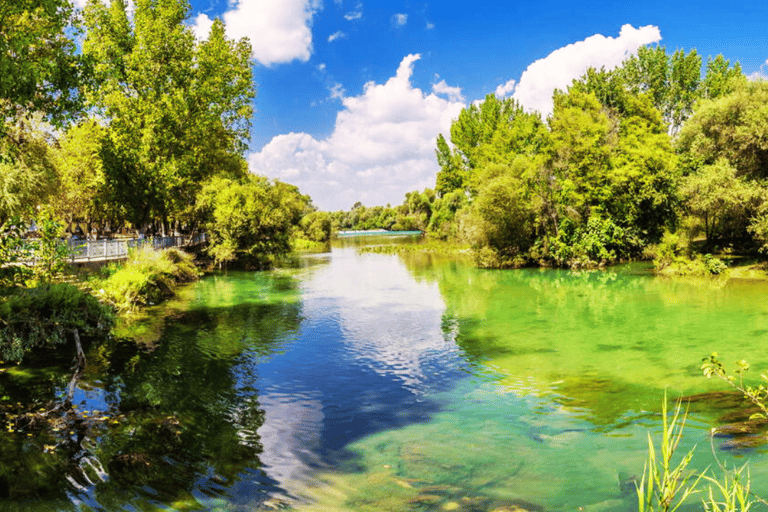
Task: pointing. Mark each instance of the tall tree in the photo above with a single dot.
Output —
(731, 127)
(671, 81)
(178, 111)
(39, 68)
(28, 171)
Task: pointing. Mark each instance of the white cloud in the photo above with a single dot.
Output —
(356, 14)
(505, 89)
(336, 35)
(337, 91)
(453, 93)
(759, 74)
(382, 146)
(562, 66)
(280, 30)
(399, 20)
(430, 26)
(321, 66)
(202, 26)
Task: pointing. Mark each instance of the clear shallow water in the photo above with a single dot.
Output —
(375, 382)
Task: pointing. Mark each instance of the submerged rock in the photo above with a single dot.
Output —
(741, 415)
(426, 499)
(719, 399)
(515, 506)
(749, 427)
(744, 442)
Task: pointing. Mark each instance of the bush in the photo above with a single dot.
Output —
(147, 277)
(600, 242)
(48, 315)
(699, 265)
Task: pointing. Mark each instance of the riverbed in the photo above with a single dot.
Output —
(374, 382)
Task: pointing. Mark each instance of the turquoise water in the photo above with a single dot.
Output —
(358, 382)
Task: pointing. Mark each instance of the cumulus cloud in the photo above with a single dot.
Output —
(562, 66)
(336, 35)
(382, 146)
(202, 26)
(505, 89)
(399, 20)
(453, 93)
(280, 30)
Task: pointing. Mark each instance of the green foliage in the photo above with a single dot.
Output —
(176, 112)
(664, 487)
(713, 367)
(27, 168)
(147, 277)
(601, 241)
(251, 220)
(50, 255)
(672, 82)
(39, 66)
(14, 250)
(85, 194)
(441, 223)
(731, 127)
(673, 247)
(316, 226)
(48, 315)
(723, 201)
(733, 491)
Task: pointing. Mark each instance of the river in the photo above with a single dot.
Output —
(373, 382)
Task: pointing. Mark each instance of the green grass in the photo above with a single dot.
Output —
(147, 277)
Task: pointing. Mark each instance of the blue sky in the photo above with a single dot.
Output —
(351, 94)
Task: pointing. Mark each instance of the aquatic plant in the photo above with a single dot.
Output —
(712, 367)
(734, 492)
(664, 487)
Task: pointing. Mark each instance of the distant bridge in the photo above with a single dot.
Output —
(375, 232)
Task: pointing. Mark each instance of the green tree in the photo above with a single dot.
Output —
(250, 220)
(84, 194)
(39, 68)
(27, 167)
(178, 112)
(721, 78)
(731, 127)
(488, 133)
(316, 226)
(671, 81)
(724, 202)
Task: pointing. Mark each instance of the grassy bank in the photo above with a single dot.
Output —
(430, 247)
(147, 277)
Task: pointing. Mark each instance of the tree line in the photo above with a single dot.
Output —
(136, 129)
(663, 157)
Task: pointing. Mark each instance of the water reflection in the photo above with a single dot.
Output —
(372, 382)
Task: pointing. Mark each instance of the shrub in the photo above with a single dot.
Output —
(48, 315)
(147, 277)
(599, 242)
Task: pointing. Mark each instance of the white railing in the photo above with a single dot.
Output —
(103, 250)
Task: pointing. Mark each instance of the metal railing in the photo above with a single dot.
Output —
(104, 250)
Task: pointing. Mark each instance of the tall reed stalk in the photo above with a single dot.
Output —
(664, 487)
